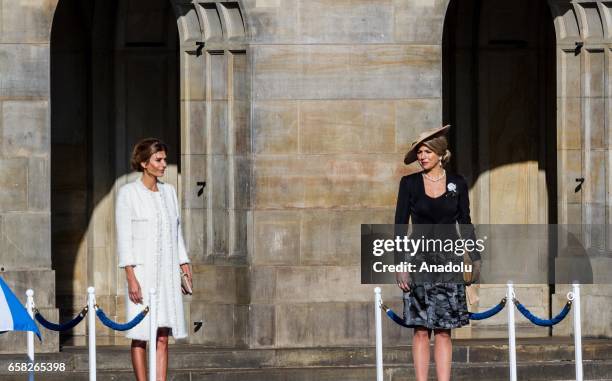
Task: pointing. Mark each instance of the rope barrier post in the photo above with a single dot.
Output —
(577, 331)
(511, 333)
(152, 336)
(30, 308)
(378, 318)
(91, 332)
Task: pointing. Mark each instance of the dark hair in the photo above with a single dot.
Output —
(144, 149)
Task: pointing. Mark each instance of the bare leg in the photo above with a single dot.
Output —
(420, 352)
(162, 353)
(139, 359)
(443, 353)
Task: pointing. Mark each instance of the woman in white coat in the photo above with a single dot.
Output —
(151, 248)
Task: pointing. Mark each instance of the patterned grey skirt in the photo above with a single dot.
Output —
(436, 306)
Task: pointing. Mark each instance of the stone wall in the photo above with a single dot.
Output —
(25, 251)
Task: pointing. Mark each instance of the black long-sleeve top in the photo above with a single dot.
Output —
(452, 207)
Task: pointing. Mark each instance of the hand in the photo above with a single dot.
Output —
(134, 290)
(476, 265)
(402, 280)
(186, 269)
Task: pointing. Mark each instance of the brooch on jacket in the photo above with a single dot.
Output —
(451, 190)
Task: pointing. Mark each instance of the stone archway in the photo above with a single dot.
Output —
(171, 69)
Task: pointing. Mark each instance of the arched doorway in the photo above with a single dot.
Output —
(114, 80)
(500, 94)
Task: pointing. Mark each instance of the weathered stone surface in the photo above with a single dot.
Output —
(347, 127)
(275, 127)
(594, 122)
(38, 184)
(271, 21)
(25, 130)
(218, 128)
(262, 285)
(346, 71)
(595, 166)
(218, 324)
(262, 325)
(324, 181)
(414, 116)
(193, 77)
(572, 163)
(278, 241)
(218, 284)
(332, 237)
(13, 183)
(308, 284)
(568, 74)
(26, 240)
(569, 130)
(26, 22)
(193, 170)
(594, 82)
(25, 70)
(419, 21)
(193, 222)
(193, 127)
(333, 21)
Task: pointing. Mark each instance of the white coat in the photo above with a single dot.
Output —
(136, 221)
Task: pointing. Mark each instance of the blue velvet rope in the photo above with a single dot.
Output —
(118, 326)
(393, 316)
(487, 314)
(61, 326)
(543, 322)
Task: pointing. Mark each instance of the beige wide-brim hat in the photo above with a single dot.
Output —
(424, 136)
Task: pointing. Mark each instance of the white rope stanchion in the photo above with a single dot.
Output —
(152, 336)
(91, 332)
(577, 331)
(511, 332)
(30, 308)
(378, 318)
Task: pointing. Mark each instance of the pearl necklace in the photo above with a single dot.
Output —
(436, 178)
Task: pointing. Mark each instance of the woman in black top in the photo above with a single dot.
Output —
(434, 202)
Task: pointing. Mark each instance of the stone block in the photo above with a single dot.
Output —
(594, 122)
(238, 232)
(218, 128)
(568, 74)
(218, 324)
(330, 237)
(193, 77)
(218, 76)
(333, 21)
(418, 21)
(595, 168)
(193, 170)
(26, 22)
(193, 222)
(241, 139)
(262, 285)
(25, 69)
(278, 237)
(38, 184)
(217, 284)
(219, 218)
(323, 324)
(262, 325)
(271, 21)
(569, 124)
(275, 127)
(326, 181)
(346, 71)
(13, 183)
(594, 74)
(572, 165)
(414, 116)
(25, 128)
(217, 181)
(193, 119)
(41, 281)
(347, 127)
(26, 241)
(241, 183)
(305, 284)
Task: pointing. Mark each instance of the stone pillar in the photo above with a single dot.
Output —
(25, 229)
(338, 90)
